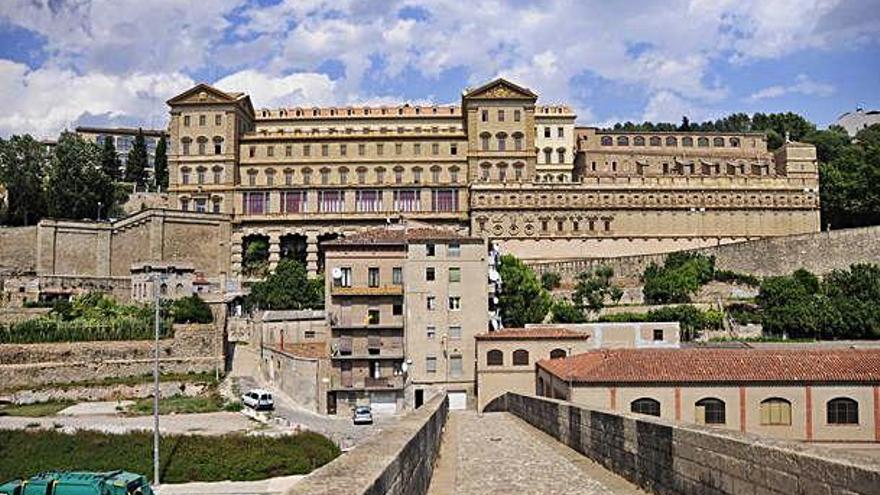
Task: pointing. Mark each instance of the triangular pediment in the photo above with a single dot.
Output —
(202, 94)
(501, 89)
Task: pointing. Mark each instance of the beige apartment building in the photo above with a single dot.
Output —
(818, 395)
(498, 166)
(404, 303)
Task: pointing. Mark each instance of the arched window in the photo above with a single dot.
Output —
(710, 411)
(502, 141)
(163, 289)
(718, 142)
(775, 411)
(734, 142)
(185, 144)
(843, 411)
(560, 152)
(655, 141)
(645, 405)
(495, 358)
(638, 141)
(218, 145)
(671, 141)
(703, 142)
(622, 141)
(557, 353)
(484, 138)
(517, 141)
(502, 171)
(607, 141)
(520, 357)
(200, 175)
(687, 142)
(203, 142)
(184, 175)
(548, 155)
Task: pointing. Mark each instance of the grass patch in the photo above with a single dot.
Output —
(183, 458)
(179, 404)
(201, 377)
(34, 410)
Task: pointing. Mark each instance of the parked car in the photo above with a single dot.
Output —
(362, 416)
(258, 400)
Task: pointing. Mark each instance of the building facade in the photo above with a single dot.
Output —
(404, 303)
(123, 141)
(497, 166)
(855, 121)
(819, 395)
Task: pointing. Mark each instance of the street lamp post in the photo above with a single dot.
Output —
(157, 281)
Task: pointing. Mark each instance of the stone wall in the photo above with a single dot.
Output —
(298, 377)
(668, 458)
(194, 348)
(18, 249)
(818, 252)
(400, 461)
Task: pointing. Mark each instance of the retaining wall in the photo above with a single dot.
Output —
(400, 461)
(818, 252)
(194, 348)
(668, 458)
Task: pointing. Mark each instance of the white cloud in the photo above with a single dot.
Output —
(802, 85)
(44, 101)
(292, 90)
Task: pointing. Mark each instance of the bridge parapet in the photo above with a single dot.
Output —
(396, 461)
(668, 458)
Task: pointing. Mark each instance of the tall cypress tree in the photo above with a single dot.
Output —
(110, 163)
(160, 165)
(136, 166)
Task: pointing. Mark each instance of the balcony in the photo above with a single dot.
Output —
(370, 348)
(385, 290)
(368, 383)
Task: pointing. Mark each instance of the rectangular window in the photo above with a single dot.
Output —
(256, 203)
(484, 116)
(218, 119)
(454, 303)
(453, 149)
(200, 176)
(517, 115)
(397, 309)
(362, 149)
(431, 303)
(202, 120)
(216, 206)
(331, 201)
(325, 150)
(431, 364)
(398, 176)
(288, 150)
(380, 149)
(435, 149)
(430, 249)
(455, 332)
(444, 200)
(185, 145)
(398, 149)
(435, 175)
(201, 205)
(184, 204)
(658, 334)
(546, 132)
(372, 317)
(186, 120)
(252, 151)
(345, 279)
(500, 115)
(455, 274)
(309, 334)
(288, 177)
(293, 201)
(431, 331)
(373, 276)
(343, 150)
(417, 149)
(430, 274)
(307, 150)
(368, 200)
(417, 175)
(217, 175)
(453, 250)
(455, 366)
(560, 132)
(397, 275)
(407, 200)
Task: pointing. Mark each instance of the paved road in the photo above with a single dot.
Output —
(497, 454)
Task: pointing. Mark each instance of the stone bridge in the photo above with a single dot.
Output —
(534, 445)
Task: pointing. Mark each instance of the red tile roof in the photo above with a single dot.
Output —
(401, 234)
(533, 333)
(718, 365)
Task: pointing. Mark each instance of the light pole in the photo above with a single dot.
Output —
(157, 281)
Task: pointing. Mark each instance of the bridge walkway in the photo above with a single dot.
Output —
(499, 454)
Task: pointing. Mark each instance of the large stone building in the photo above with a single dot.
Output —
(404, 303)
(498, 166)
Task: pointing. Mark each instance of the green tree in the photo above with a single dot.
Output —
(110, 163)
(160, 165)
(565, 311)
(288, 288)
(136, 164)
(23, 164)
(550, 280)
(191, 309)
(790, 305)
(76, 187)
(522, 299)
(255, 260)
(593, 288)
(681, 275)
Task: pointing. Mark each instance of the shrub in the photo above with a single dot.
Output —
(564, 311)
(191, 309)
(289, 287)
(681, 275)
(737, 278)
(691, 319)
(743, 313)
(550, 280)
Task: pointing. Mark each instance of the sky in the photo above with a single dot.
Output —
(65, 63)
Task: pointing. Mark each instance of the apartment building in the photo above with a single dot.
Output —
(404, 303)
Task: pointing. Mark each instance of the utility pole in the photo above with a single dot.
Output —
(157, 280)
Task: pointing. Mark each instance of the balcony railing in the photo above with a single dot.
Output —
(382, 383)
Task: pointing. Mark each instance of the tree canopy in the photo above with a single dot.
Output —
(681, 275)
(287, 288)
(522, 299)
(76, 185)
(136, 163)
(160, 165)
(22, 171)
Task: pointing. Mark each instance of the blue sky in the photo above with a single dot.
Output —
(70, 62)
